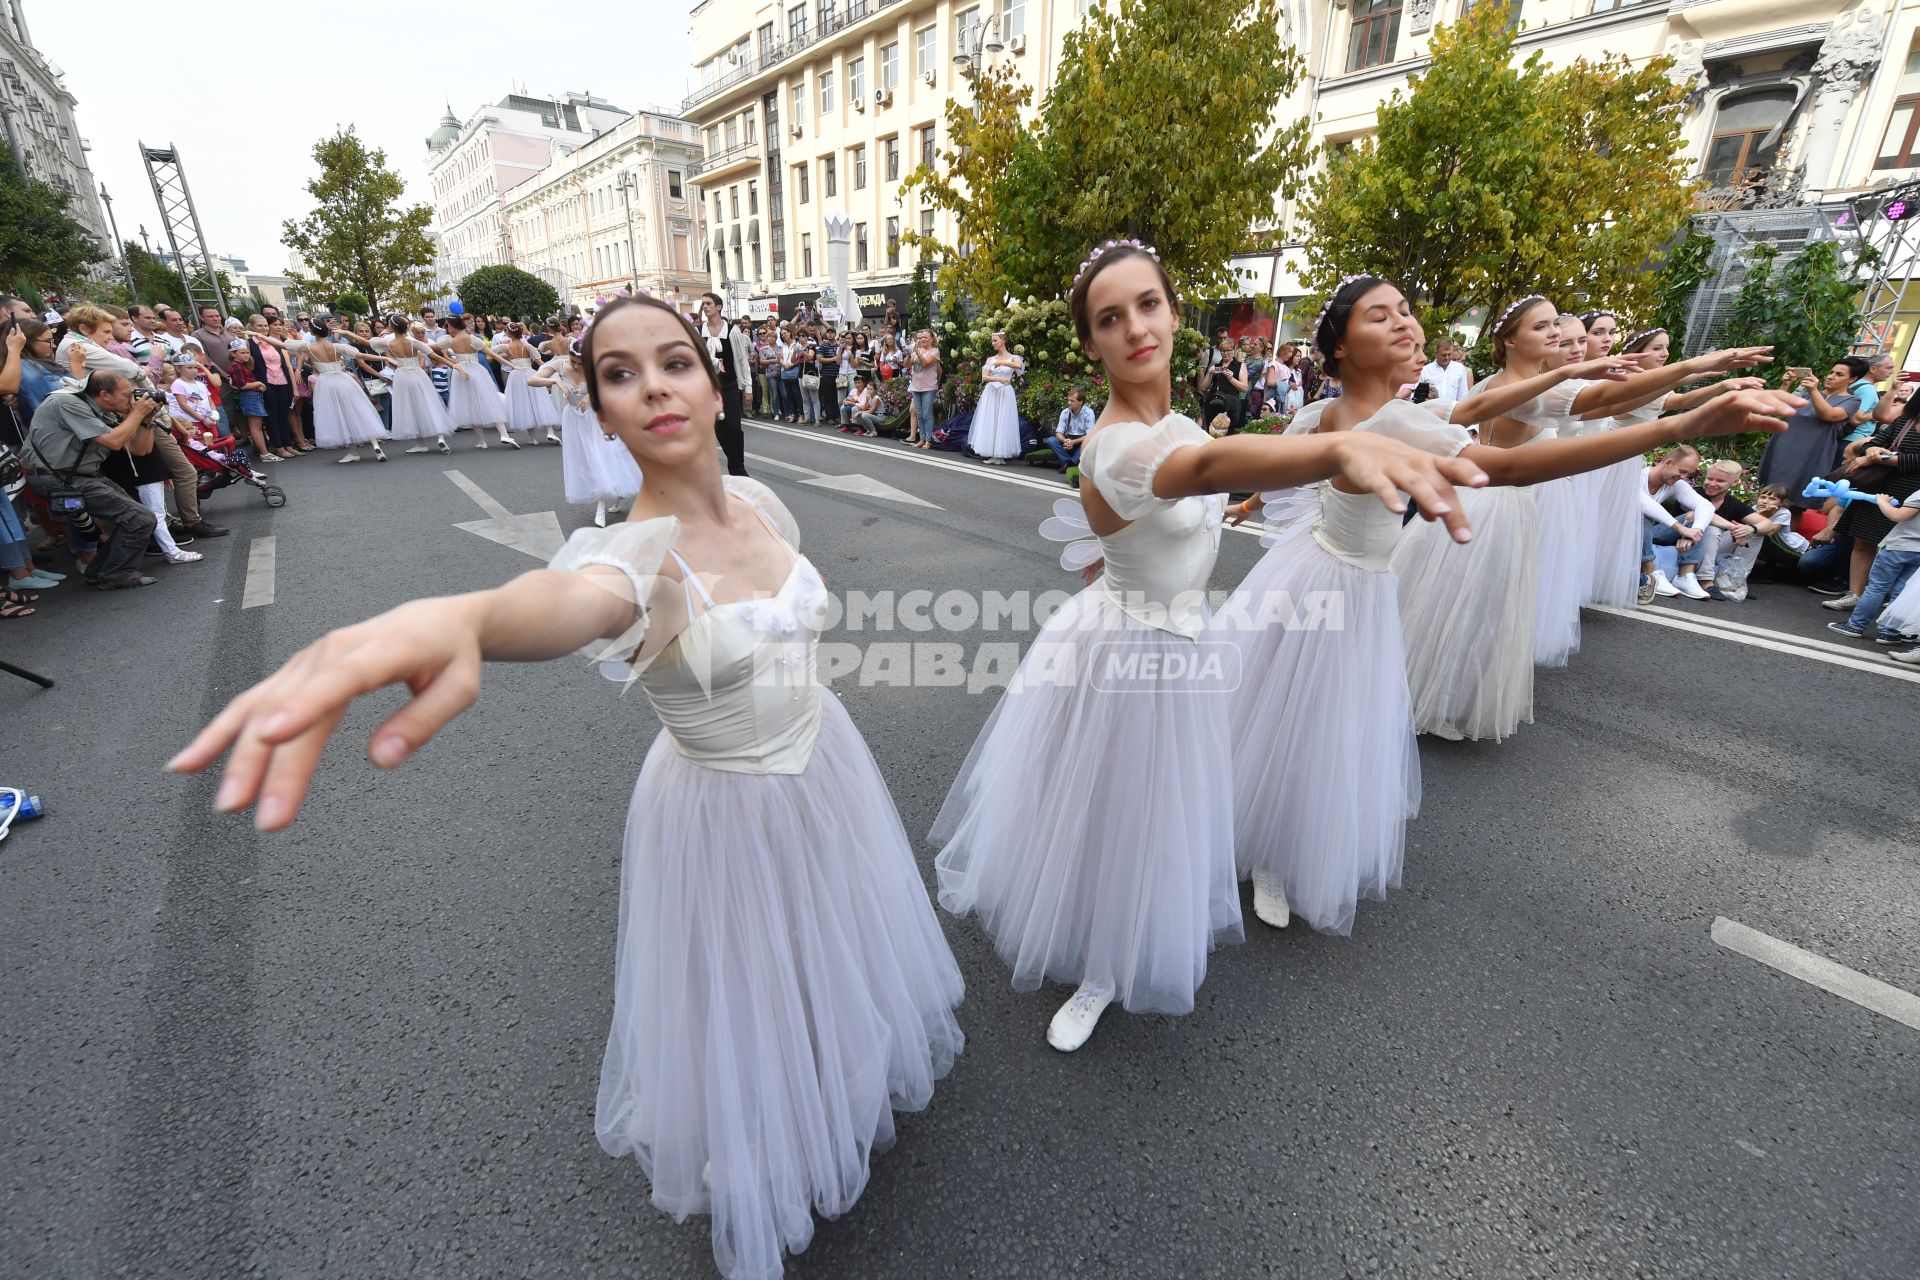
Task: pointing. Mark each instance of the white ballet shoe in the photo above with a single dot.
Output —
(1077, 1017)
(421, 448)
(508, 440)
(480, 442)
(440, 443)
(552, 438)
(379, 454)
(1446, 732)
(600, 514)
(352, 457)
(1270, 899)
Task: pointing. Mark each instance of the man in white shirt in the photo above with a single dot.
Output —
(1662, 482)
(1446, 373)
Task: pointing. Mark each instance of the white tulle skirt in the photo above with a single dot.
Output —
(781, 988)
(1326, 772)
(1566, 567)
(473, 401)
(417, 411)
(528, 407)
(1616, 535)
(1091, 827)
(996, 423)
(593, 468)
(342, 414)
(1902, 616)
(1467, 616)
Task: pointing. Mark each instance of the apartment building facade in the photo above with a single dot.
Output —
(39, 117)
(617, 212)
(814, 107)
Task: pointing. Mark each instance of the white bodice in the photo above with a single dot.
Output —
(736, 689)
(324, 367)
(1357, 527)
(467, 357)
(1157, 566)
(1002, 371)
(522, 363)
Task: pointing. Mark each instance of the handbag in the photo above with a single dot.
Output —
(13, 472)
(1874, 474)
(809, 382)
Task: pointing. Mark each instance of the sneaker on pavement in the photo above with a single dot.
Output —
(1841, 604)
(1895, 638)
(1663, 587)
(185, 557)
(1911, 657)
(1845, 630)
(1689, 588)
(1646, 589)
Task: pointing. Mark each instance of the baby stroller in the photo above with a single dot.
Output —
(225, 461)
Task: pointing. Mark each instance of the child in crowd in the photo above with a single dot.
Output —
(1770, 504)
(1897, 561)
(253, 400)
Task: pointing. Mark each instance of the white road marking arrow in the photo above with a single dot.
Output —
(865, 486)
(536, 534)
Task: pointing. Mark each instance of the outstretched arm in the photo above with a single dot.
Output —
(277, 729)
(1531, 463)
(1605, 398)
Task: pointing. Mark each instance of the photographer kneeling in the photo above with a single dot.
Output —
(73, 431)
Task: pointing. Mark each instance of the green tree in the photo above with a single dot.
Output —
(351, 304)
(359, 239)
(1488, 180)
(508, 291)
(41, 244)
(971, 180)
(1158, 127)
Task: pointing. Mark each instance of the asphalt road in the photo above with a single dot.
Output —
(369, 1047)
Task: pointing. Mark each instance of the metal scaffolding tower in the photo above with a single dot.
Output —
(1888, 222)
(182, 223)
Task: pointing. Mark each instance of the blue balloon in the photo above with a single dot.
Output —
(455, 309)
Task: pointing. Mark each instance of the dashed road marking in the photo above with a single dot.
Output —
(261, 558)
(1869, 993)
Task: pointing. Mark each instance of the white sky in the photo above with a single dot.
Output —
(389, 70)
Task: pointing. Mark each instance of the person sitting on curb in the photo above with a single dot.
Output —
(1662, 482)
(1071, 431)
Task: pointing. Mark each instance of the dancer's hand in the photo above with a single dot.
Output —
(1730, 358)
(278, 728)
(1756, 409)
(1241, 512)
(464, 374)
(1388, 469)
(1607, 368)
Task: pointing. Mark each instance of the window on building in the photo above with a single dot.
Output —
(733, 199)
(765, 39)
(796, 27)
(826, 91)
(753, 196)
(857, 80)
(1013, 18)
(859, 246)
(890, 65)
(756, 259)
(746, 127)
(926, 223)
(676, 188)
(733, 132)
(1375, 33)
(739, 262)
(716, 206)
(1897, 145)
(799, 112)
(859, 156)
(826, 16)
(890, 157)
(829, 179)
(713, 139)
(926, 145)
(1747, 132)
(924, 52)
(893, 242)
(801, 184)
(806, 255)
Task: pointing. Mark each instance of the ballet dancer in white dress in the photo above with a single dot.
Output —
(343, 417)
(594, 466)
(995, 434)
(528, 408)
(418, 414)
(473, 401)
(1118, 876)
(1469, 615)
(1326, 772)
(781, 986)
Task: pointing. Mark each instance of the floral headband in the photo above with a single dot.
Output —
(1107, 246)
(1642, 334)
(1526, 301)
(1327, 306)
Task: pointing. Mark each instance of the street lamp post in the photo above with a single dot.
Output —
(629, 188)
(119, 249)
(976, 44)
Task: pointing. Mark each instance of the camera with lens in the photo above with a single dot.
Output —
(71, 505)
(141, 393)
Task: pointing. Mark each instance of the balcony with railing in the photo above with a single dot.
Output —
(802, 36)
(746, 153)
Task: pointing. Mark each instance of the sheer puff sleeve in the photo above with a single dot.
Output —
(1124, 458)
(636, 548)
(769, 505)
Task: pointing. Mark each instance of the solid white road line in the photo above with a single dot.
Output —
(261, 556)
(1774, 641)
(486, 500)
(1719, 623)
(1869, 993)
